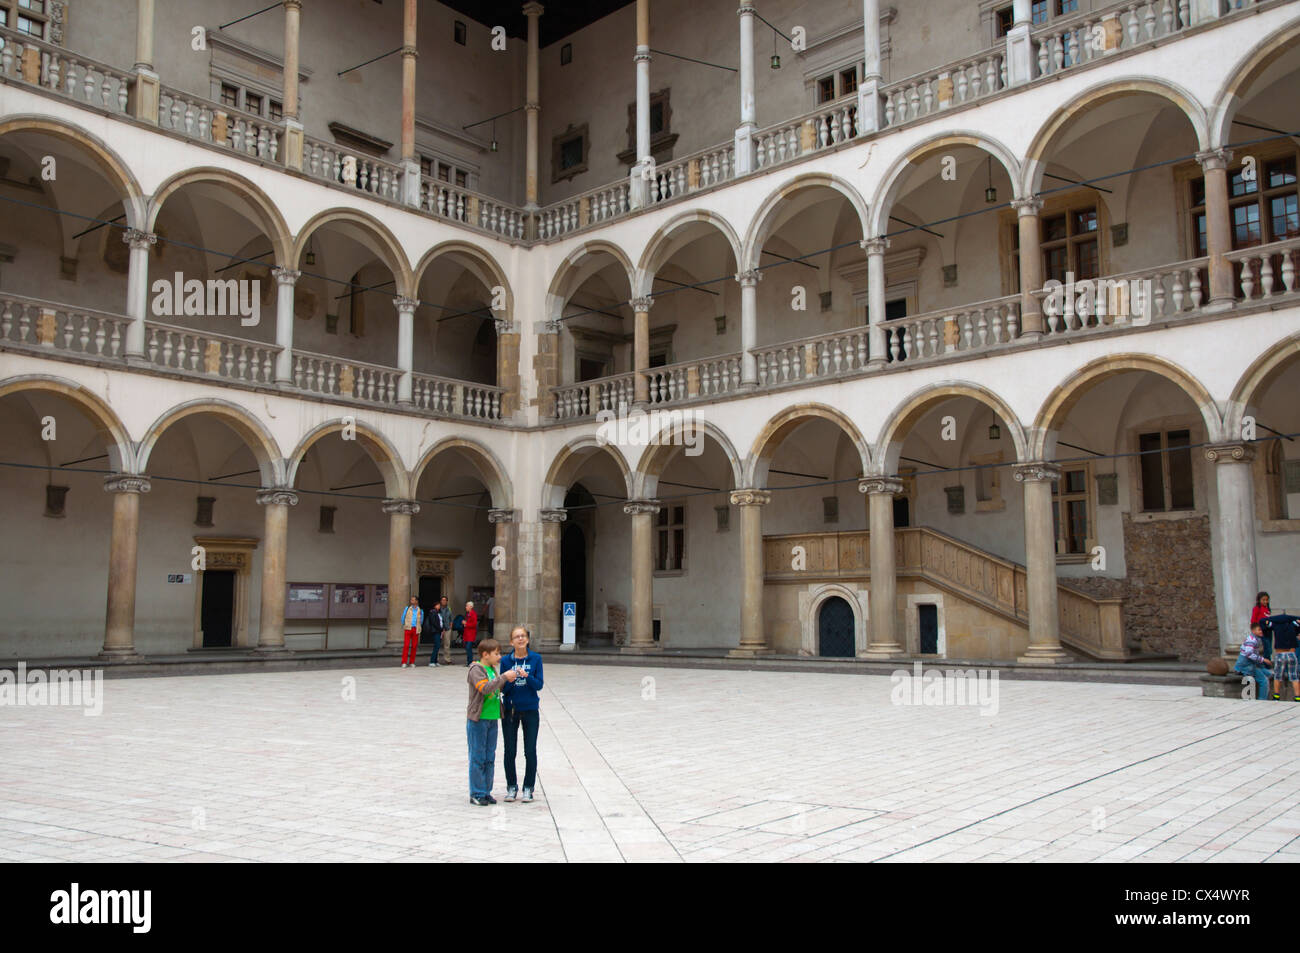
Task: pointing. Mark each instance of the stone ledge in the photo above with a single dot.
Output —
(1222, 686)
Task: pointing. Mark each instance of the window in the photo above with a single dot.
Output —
(459, 33)
(1064, 7)
(1262, 209)
(830, 509)
(444, 172)
(566, 54)
(1069, 244)
(569, 153)
(230, 95)
(1004, 20)
(253, 103)
(849, 81)
(25, 16)
(1166, 471)
(670, 551)
(1070, 511)
(825, 89)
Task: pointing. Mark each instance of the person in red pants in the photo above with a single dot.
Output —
(412, 619)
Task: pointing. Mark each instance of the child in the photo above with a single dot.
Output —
(481, 727)
(1285, 669)
(1251, 661)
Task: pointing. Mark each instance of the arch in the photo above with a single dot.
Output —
(121, 450)
(1242, 75)
(389, 248)
(492, 268)
(759, 226)
(378, 447)
(255, 435)
(658, 250)
(1068, 393)
(1092, 97)
(810, 609)
(779, 427)
(892, 180)
(564, 469)
(109, 162)
(900, 422)
(654, 458)
(1256, 378)
(485, 463)
(271, 221)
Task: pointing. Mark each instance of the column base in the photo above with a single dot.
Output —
(121, 656)
(136, 360)
(750, 652)
(641, 405)
(273, 650)
(747, 386)
(640, 649)
(568, 647)
(882, 652)
(1047, 655)
(1219, 304)
(1030, 336)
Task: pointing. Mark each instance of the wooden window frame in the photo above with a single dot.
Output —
(1065, 203)
(664, 524)
(557, 146)
(1088, 497)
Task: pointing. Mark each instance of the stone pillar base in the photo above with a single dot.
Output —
(744, 652)
(640, 649)
(411, 184)
(121, 656)
(144, 93)
(292, 150)
(1047, 655)
(277, 651)
(882, 652)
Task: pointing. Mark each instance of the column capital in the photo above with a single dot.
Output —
(410, 51)
(406, 304)
(746, 9)
(553, 516)
(750, 497)
(277, 496)
(874, 246)
(502, 516)
(402, 507)
(127, 483)
(138, 238)
(1214, 159)
(643, 303)
(504, 325)
(881, 485)
(638, 507)
(750, 278)
(286, 276)
(1027, 207)
(548, 327)
(533, 9)
(642, 55)
(1038, 472)
(292, 4)
(1230, 452)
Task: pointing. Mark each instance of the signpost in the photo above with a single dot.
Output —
(570, 627)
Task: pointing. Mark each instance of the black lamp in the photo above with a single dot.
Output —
(493, 147)
(776, 59)
(310, 257)
(990, 194)
(995, 432)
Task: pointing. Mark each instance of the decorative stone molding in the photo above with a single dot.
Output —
(1230, 453)
(502, 516)
(874, 246)
(1214, 159)
(642, 56)
(642, 304)
(1029, 206)
(137, 238)
(750, 497)
(504, 326)
(127, 483)
(749, 279)
(551, 327)
(553, 516)
(286, 276)
(404, 507)
(1036, 472)
(891, 486)
(278, 496)
(406, 304)
(638, 507)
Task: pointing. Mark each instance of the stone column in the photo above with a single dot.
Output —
(1040, 563)
(641, 352)
(285, 280)
(748, 327)
(869, 88)
(508, 366)
(753, 635)
(506, 577)
(399, 565)
(876, 346)
(1238, 580)
(274, 556)
(881, 491)
(546, 365)
(1020, 48)
(292, 124)
(532, 106)
(144, 91)
(119, 624)
(643, 169)
(1218, 227)
(405, 347)
(551, 520)
(410, 163)
(1031, 267)
(137, 292)
(748, 114)
(641, 624)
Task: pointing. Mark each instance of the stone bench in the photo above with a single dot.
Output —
(1222, 686)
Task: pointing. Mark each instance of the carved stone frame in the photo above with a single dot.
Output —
(227, 552)
(810, 602)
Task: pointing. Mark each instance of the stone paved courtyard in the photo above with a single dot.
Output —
(644, 763)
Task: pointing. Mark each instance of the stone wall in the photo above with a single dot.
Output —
(1169, 605)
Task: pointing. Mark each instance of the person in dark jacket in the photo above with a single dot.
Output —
(433, 633)
(520, 706)
(1286, 633)
(442, 624)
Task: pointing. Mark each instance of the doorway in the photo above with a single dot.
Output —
(430, 592)
(928, 621)
(217, 613)
(573, 571)
(835, 629)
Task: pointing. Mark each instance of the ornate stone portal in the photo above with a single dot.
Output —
(234, 553)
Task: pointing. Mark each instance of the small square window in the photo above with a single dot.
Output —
(230, 95)
(566, 54)
(830, 509)
(462, 180)
(571, 153)
(825, 89)
(1038, 11)
(849, 81)
(1006, 18)
(253, 103)
(277, 111)
(724, 518)
(459, 33)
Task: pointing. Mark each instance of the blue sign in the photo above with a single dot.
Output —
(571, 608)
(570, 633)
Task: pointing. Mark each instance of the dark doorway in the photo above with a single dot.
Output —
(929, 619)
(902, 512)
(217, 612)
(573, 571)
(430, 592)
(835, 629)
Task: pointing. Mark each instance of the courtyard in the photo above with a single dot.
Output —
(645, 763)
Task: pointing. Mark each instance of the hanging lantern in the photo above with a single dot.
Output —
(990, 194)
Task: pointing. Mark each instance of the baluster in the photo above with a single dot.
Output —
(1184, 13)
(1013, 321)
(996, 335)
(1178, 291)
(88, 87)
(991, 74)
(1288, 271)
(243, 362)
(889, 110)
(1196, 289)
(1058, 53)
(963, 85)
(1150, 19)
(1042, 58)
(1132, 25)
(6, 320)
(1167, 17)
(976, 82)
(1266, 275)
(1158, 294)
(981, 328)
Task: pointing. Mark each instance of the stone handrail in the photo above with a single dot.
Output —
(588, 398)
(443, 395)
(827, 125)
(332, 163)
(588, 208)
(471, 208)
(1151, 294)
(334, 376)
(28, 60)
(693, 172)
(32, 322)
(1085, 37)
(202, 352)
(707, 377)
(961, 82)
(1268, 271)
(243, 132)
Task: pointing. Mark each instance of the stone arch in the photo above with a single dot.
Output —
(558, 292)
(1243, 73)
(378, 447)
(900, 422)
(1256, 378)
(270, 461)
(121, 449)
(1035, 162)
(270, 220)
(564, 468)
(759, 228)
(489, 271)
(810, 607)
(388, 248)
(655, 457)
(659, 249)
(779, 427)
(892, 180)
(1065, 395)
(486, 464)
(109, 162)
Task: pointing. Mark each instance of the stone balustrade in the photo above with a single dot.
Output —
(456, 398)
(28, 321)
(1137, 297)
(216, 355)
(953, 85)
(335, 377)
(332, 163)
(1267, 271)
(1085, 38)
(588, 398)
(242, 132)
(24, 59)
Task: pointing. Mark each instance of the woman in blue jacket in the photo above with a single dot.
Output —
(519, 706)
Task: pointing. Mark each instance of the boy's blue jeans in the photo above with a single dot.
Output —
(482, 738)
(1258, 672)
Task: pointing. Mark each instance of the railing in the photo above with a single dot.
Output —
(331, 163)
(1087, 37)
(1138, 297)
(1268, 271)
(574, 401)
(704, 378)
(186, 349)
(27, 60)
(470, 208)
(590, 208)
(692, 173)
(962, 82)
(198, 119)
(456, 398)
(60, 327)
(322, 374)
(827, 126)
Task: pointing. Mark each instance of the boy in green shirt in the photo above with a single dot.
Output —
(482, 716)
